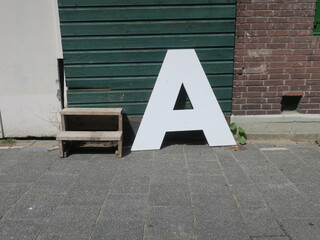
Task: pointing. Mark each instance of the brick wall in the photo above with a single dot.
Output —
(276, 54)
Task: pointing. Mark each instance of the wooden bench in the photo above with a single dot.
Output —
(68, 134)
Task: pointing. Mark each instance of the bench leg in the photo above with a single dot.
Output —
(119, 152)
(61, 149)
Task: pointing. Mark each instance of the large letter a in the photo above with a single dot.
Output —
(182, 67)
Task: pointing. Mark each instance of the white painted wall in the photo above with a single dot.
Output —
(30, 46)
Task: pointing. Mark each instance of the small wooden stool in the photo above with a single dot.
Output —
(69, 135)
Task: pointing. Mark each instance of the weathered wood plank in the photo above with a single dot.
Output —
(142, 27)
(91, 111)
(138, 108)
(118, 83)
(143, 42)
(106, 96)
(147, 13)
(89, 136)
(140, 56)
(90, 3)
(143, 69)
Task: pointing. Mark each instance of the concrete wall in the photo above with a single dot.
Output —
(30, 47)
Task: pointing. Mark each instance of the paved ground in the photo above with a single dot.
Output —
(266, 192)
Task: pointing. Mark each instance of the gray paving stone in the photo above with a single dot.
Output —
(169, 175)
(314, 163)
(137, 168)
(247, 195)
(272, 238)
(130, 184)
(261, 222)
(80, 194)
(173, 161)
(215, 207)
(11, 192)
(202, 157)
(169, 194)
(4, 209)
(167, 238)
(301, 174)
(21, 174)
(124, 206)
(269, 179)
(282, 158)
(64, 238)
(266, 170)
(306, 229)
(96, 176)
(203, 167)
(277, 188)
(171, 149)
(118, 230)
(20, 229)
(198, 149)
(226, 159)
(311, 191)
(50, 183)
(71, 220)
(68, 166)
(291, 206)
(208, 184)
(170, 222)
(34, 207)
(139, 155)
(236, 175)
(222, 230)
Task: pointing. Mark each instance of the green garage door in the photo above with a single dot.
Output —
(113, 49)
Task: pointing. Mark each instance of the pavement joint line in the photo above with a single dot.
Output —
(266, 204)
(304, 161)
(233, 195)
(61, 200)
(146, 213)
(28, 188)
(195, 226)
(271, 210)
(303, 195)
(105, 198)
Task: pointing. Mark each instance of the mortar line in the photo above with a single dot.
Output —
(271, 210)
(105, 199)
(195, 225)
(148, 195)
(233, 195)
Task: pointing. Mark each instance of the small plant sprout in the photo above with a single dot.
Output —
(239, 133)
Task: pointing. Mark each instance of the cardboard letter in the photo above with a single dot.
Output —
(182, 67)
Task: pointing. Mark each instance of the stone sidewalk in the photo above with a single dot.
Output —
(266, 192)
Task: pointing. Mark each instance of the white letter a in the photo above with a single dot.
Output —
(182, 67)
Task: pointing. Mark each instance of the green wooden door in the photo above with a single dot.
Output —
(113, 49)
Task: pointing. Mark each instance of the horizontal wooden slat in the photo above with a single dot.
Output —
(138, 108)
(142, 28)
(91, 111)
(79, 3)
(137, 82)
(143, 42)
(89, 136)
(106, 96)
(143, 69)
(141, 56)
(147, 13)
